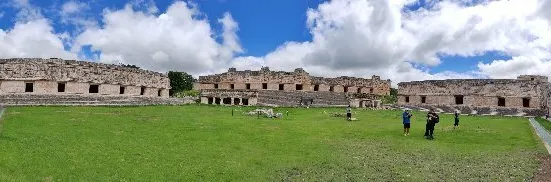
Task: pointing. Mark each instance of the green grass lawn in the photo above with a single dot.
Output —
(207, 143)
(544, 122)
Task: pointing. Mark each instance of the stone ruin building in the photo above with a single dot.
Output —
(525, 96)
(35, 81)
(297, 88)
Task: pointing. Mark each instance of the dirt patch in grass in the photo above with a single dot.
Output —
(544, 171)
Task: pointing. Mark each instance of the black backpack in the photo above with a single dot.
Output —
(436, 119)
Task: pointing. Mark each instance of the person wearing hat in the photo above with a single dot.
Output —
(432, 119)
(406, 120)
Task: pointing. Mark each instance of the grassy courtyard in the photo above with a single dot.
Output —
(207, 143)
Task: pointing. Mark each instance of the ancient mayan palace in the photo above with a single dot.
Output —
(36, 81)
(528, 95)
(297, 88)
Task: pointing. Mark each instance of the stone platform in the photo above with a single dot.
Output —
(84, 100)
(473, 110)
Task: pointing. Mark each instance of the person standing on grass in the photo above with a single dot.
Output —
(456, 124)
(348, 113)
(406, 116)
(432, 119)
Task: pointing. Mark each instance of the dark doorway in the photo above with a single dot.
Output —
(245, 102)
(142, 91)
(121, 90)
(458, 99)
(232, 86)
(159, 92)
(248, 86)
(280, 86)
(299, 87)
(60, 87)
(359, 90)
(29, 87)
(501, 102)
(227, 101)
(217, 101)
(423, 99)
(371, 90)
(264, 86)
(210, 100)
(316, 87)
(407, 99)
(216, 86)
(93, 89)
(331, 88)
(526, 102)
(235, 101)
(345, 89)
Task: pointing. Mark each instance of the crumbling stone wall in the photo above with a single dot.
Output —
(264, 79)
(527, 91)
(48, 76)
(279, 87)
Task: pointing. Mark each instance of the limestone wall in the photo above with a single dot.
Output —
(264, 79)
(56, 76)
(527, 91)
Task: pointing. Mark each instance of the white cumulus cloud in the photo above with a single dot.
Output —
(366, 37)
(32, 39)
(349, 37)
(174, 40)
(72, 7)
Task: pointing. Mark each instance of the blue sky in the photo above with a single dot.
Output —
(263, 25)
(428, 39)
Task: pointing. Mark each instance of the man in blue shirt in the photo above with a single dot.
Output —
(406, 116)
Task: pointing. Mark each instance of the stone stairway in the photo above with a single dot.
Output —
(35, 99)
(292, 98)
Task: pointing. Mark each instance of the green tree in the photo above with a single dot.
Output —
(392, 98)
(180, 81)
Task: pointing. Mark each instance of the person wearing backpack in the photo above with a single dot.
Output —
(432, 119)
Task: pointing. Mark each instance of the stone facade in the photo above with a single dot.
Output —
(527, 92)
(288, 88)
(35, 76)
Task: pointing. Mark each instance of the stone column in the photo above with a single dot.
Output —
(231, 100)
